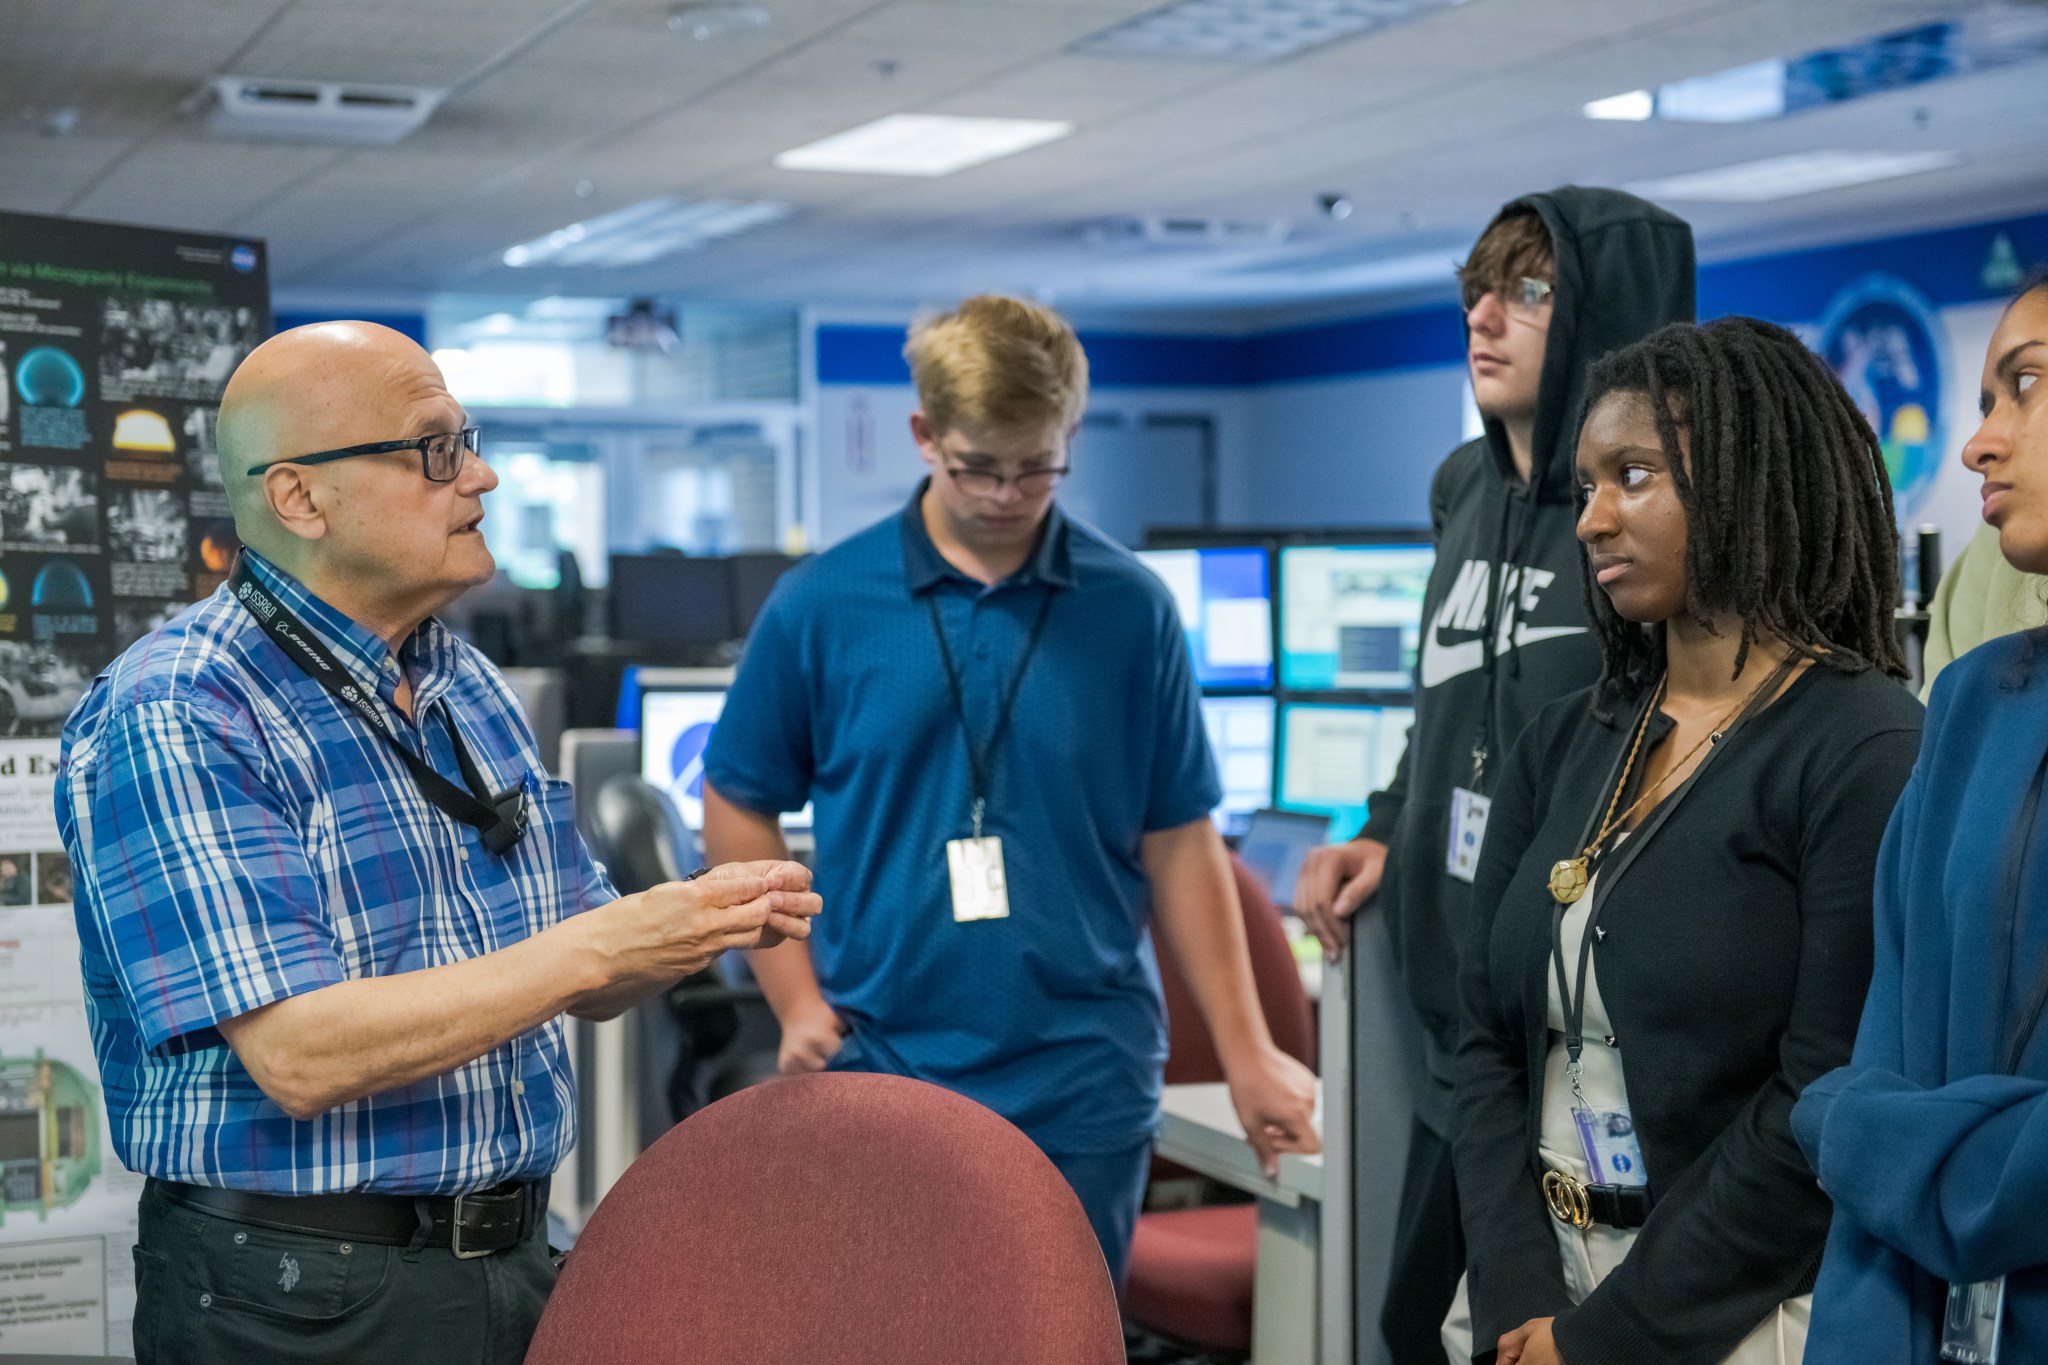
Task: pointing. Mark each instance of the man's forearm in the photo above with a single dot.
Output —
(1197, 915)
(734, 833)
(328, 1047)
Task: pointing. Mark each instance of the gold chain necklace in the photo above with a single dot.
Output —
(1569, 877)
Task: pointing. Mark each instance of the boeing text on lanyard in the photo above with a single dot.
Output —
(974, 866)
(499, 817)
(1975, 1313)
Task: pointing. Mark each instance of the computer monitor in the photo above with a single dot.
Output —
(1275, 845)
(1331, 758)
(672, 600)
(1241, 737)
(1351, 615)
(675, 730)
(1226, 609)
(754, 576)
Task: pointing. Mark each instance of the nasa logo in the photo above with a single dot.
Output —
(1885, 343)
(243, 258)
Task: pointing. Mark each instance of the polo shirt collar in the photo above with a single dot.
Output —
(428, 655)
(1052, 563)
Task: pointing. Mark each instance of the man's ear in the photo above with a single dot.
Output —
(294, 502)
(927, 440)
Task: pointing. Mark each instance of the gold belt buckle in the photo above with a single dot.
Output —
(1567, 1199)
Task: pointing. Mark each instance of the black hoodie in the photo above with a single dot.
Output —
(1624, 269)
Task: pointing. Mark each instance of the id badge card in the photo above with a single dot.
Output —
(980, 890)
(1468, 832)
(1612, 1153)
(1969, 1328)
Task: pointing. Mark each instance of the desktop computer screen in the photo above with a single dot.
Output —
(672, 600)
(754, 576)
(1241, 737)
(1331, 758)
(1275, 845)
(1226, 609)
(675, 730)
(1351, 616)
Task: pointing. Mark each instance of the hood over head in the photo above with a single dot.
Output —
(1624, 268)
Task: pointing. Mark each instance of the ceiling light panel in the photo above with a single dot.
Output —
(644, 232)
(926, 145)
(1784, 177)
(1247, 30)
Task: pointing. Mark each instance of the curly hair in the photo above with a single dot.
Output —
(1788, 508)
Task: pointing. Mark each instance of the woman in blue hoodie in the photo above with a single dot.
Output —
(1933, 1141)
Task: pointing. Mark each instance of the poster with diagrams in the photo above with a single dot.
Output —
(115, 345)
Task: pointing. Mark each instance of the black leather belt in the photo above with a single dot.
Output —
(1574, 1202)
(469, 1225)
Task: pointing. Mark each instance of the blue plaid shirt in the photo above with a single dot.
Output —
(239, 836)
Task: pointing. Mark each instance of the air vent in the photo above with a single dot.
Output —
(334, 112)
(1185, 230)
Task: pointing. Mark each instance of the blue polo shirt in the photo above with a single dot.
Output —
(1051, 1017)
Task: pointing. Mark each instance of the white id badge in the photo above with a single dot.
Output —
(1969, 1329)
(1609, 1137)
(1468, 832)
(979, 888)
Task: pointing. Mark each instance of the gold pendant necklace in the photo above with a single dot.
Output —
(1569, 877)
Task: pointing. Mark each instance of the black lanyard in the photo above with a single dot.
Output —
(1574, 1004)
(500, 817)
(981, 761)
(2018, 855)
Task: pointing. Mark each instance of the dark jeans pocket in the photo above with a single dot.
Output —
(269, 1295)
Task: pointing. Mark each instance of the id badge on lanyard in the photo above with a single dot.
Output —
(974, 866)
(1970, 1325)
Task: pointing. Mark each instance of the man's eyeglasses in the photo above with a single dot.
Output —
(987, 483)
(1522, 296)
(441, 455)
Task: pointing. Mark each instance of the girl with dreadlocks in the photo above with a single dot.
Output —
(1671, 930)
(1934, 1140)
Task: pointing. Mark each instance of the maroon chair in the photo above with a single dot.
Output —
(1192, 1270)
(846, 1218)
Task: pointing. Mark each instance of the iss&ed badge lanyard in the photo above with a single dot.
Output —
(500, 817)
(974, 866)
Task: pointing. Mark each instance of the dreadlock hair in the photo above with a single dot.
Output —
(1788, 508)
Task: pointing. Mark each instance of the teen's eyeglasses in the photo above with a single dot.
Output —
(987, 483)
(1522, 297)
(441, 454)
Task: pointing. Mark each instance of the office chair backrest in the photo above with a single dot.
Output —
(844, 1217)
(641, 839)
(1192, 1055)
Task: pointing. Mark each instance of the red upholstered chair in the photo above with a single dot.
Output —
(1191, 1270)
(842, 1218)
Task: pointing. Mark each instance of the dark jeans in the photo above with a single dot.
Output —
(1429, 1254)
(214, 1292)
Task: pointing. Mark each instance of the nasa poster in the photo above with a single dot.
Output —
(115, 345)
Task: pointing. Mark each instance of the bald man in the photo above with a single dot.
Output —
(332, 908)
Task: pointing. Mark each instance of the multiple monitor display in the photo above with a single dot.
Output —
(673, 601)
(1306, 654)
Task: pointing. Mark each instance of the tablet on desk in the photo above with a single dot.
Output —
(1275, 844)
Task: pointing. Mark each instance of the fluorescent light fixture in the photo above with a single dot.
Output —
(1247, 30)
(1632, 107)
(1783, 177)
(644, 232)
(922, 144)
(1741, 94)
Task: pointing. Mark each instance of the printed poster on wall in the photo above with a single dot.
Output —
(115, 345)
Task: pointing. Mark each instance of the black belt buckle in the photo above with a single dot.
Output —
(455, 1246)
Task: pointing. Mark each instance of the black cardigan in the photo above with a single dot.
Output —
(1734, 960)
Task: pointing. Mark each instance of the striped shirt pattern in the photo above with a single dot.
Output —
(239, 836)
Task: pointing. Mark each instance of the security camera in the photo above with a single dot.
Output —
(1337, 206)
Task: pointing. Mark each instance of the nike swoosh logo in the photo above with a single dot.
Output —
(1441, 662)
